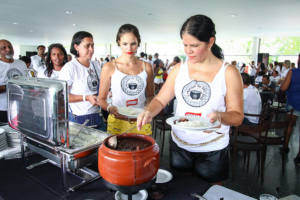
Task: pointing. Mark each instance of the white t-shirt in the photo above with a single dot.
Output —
(199, 97)
(8, 71)
(81, 81)
(54, 75)
(251, 70)
(284, 72)
(258, 80)
(252, 103)
(37, 63)
(275, 79)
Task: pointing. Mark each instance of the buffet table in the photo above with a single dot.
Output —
(44, 182)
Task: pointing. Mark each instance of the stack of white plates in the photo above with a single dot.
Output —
(13, 137)
(3, 141)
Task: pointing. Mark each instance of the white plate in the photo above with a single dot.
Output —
(163, 176)
(130, 112)
(141, 195)
(194, 123)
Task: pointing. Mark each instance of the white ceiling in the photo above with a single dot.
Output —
(46, 21)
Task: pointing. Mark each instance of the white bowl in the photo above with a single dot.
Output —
(140, 195)
(163, 176)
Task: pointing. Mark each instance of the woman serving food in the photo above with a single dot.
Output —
(204, 86)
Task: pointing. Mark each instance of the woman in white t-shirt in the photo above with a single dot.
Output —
(130, 80)
(56, 58)
(81, 76)
(204, 86)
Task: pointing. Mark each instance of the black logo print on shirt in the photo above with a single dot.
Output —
(92, 80)
(196, 93)
(14, 72)
(132, 85)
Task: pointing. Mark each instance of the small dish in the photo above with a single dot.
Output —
(140, 195)
(163, 176)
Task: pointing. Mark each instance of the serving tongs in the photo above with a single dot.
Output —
(79, 130)
(198, 196)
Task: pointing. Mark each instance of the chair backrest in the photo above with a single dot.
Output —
(258, 130)
(281, 120)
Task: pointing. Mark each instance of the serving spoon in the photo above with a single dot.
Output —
(113, 142)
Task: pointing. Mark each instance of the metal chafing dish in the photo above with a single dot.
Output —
(38, 108)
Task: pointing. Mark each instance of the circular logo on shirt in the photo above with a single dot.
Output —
(132, 85)
(14, 72)
(92, 81)
(196, 93)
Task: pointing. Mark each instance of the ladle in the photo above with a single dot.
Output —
(113, 142)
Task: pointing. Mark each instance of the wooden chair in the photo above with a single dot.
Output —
(279, 131)
(247, 138)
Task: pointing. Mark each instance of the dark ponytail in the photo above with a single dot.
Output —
(217, 51)
(202, 28)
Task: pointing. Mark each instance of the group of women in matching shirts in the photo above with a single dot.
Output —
(203, 85)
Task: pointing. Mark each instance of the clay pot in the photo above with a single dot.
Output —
(128, 168)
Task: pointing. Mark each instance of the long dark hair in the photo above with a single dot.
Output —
(77, 38)
(49, 64)
(128, 28)
(202, 28)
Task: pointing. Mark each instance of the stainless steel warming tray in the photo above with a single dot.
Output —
(38, 108)
(82, 150)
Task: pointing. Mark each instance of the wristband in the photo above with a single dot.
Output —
(83, 98)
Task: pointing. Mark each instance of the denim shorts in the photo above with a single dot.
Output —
(95, 120)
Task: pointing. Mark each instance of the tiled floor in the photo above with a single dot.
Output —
(274, 183)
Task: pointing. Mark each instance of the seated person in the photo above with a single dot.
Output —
(252, 100)
(275, 77)
(266, 84)
(258, 79)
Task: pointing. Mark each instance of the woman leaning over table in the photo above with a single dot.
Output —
(130, 80)
(81, 76)
(205, 86)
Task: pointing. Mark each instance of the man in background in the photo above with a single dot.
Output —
(252, 100)
(38, 61)
(9, 68)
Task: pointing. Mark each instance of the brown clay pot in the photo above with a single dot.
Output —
(128, 168)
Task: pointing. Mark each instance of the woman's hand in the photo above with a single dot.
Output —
(113, 110)
(214, 116)
(144, 118)
(92, 99)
